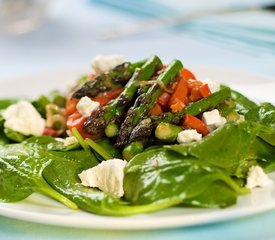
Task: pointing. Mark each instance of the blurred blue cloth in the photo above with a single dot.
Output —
(159, 8)
(250, 31)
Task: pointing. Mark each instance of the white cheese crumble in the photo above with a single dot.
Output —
(213, 119)
(188, 135)
(67, 141)
(107, 176)
(86, 106)
(241, 118)
(257, 178)
(22, 117)
(213, 86)
(101, 63)
(70, 140)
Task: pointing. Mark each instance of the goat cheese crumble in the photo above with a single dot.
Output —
(67, 141)
(213, 119)
(86, 106)
(257, 178)
(102, 63)
(22, 117)
(107, 176)
(213, 86)
(188, 136)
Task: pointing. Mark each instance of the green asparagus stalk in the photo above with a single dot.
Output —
(145, 102)
(4, 103)
(200, 106)
(97, 148)
(131, 150)
(167, 132)
(226, 107)
(111, 130)
(144, 129)
(113, 111)
(111, 80)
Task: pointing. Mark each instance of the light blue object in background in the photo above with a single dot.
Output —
(159, 8)
(70, 36)
(245, 28)
(141, 8)
(253, 228)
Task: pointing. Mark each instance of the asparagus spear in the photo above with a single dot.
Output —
(144, 129)
(113, 79)
(145, 102)
(111, 130)
(131, 150)
(114, 111)
(167, 132)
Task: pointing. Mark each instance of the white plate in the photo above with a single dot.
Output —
(38, 208)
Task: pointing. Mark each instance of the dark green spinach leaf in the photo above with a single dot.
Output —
(224, 148)
(243, 104)
(65, 180)
(264, 153)
(264, 115)
(21, 168)
(165, 175)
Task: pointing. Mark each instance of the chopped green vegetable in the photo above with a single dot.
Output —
(80, 139)
(111, 130)
(97, 148)
(132, 150)
(167, 132)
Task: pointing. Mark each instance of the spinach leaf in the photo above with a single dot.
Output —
(59, 146)
(224, 148)
(39, 142)
(264, 153)
(217, 195)
(264, 115)
(42, 101)
(65, 180)
(40, 104)
(243, 104)
(3, 138)
(165, 175)
(110, 147)
(4, 103)
(13, 135)
(21, 167)
(62, 174)
(49, 143)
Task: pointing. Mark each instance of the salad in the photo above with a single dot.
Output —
(136, 137)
